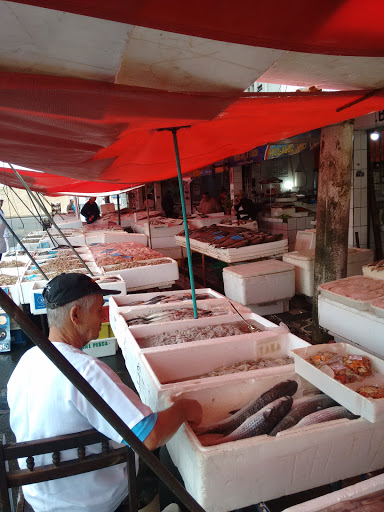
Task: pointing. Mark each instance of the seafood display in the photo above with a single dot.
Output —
(244, 366)
(346, 369)
(356, 287)
(376, 265)
(370, 503)
(176, 314)
(373, 391)
(164, 299)
(195, 333)
(120, 252)
(60, 265)
(273, 412)
(11, 264)
(231, 237)
(135, 264)
(6, 280)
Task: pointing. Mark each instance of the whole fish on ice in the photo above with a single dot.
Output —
(303, 409)
(258, 424)
(332, 413)
(228, 425)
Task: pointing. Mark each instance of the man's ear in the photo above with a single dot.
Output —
(74, 315)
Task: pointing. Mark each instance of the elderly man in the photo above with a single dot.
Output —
(90, 210)
(43, 403)
(207, 204)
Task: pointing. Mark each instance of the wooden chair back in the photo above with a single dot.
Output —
(10, 478)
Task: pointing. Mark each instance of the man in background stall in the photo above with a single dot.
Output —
(207, 204)
(90, 210)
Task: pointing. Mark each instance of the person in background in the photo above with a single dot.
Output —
(90, 210)
(44, 403)
(3, 232)
(149, 202)
(245, 208)
(222, 199)
(167, 204)
(71, 208)
(207, 204)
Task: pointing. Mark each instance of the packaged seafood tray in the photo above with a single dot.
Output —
(187, 332)
(114, 237)
(356, 291)
(259, 282)
(362, 490)
(188, 367)
(345, 394)
(148, 276)
(241, 473)
(362, 327)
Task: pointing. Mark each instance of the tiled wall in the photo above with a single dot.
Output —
(358, 218)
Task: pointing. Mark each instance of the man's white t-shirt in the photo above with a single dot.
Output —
(43, 403)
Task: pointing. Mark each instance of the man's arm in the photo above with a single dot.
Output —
(169, 421)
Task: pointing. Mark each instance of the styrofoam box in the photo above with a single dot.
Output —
(158, 231)
(344, 394)
(359, 490)
(101, 237)
(108, 207)
(148, 276)
(14, 292)
(361, 327)
(120, 301)
(370, 272)
(73, 240)
(179, 367)
(304, 262)
(362, 305)
(238, 474)
(101, 348)
(305, 239)
(159, 243)
(259, 282)
(127, 336)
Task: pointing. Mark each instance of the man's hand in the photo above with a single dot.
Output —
(192, 410)
(91, 217)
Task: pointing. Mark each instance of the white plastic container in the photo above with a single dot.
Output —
(362, 327)
(238, 474)
(128, 338)
(344, 394)
(178, 368)
(305, 239)
(259, 282)
(304, 262)
(101, 237)
(359, 490)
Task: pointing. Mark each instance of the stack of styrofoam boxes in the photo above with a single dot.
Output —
(359, 322)
(304, 262)
(129, 337)
(235, 475)
(360, 490)
(106, 237)
(264, 286)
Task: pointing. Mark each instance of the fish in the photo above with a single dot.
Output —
(259, 423)
(228, 425)
(303, 409)
(332, 413)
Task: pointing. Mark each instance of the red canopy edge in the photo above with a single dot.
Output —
(334, 27)
(91, 131)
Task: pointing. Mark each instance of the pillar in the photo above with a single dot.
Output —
(333, 197)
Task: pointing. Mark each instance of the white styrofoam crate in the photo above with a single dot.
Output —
(361, 305)
(304, 262)
(101, 237)
(344, 394)
(270, 308)
(305, 239)
(148, 276)
(120, 301)
(179, 367)
(13, 291)
(160, 243)
(371, 272)
(259, 282)
(359, 490)
(362, 327)
(101, 347)
(130, 347)
(238, 474)
(159, 231)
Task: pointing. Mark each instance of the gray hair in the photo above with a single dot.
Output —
(57, 317)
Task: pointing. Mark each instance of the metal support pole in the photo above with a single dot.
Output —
(23, 246)
(118, 210)
(189, 254)
(32, 199)
(51, 218)
(148, 221)
(37, 337)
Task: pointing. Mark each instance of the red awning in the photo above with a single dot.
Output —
(335, 27)
(89, 130)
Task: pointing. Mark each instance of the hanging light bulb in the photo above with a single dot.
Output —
(375, 135)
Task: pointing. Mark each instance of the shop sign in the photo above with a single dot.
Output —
(277, 151)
